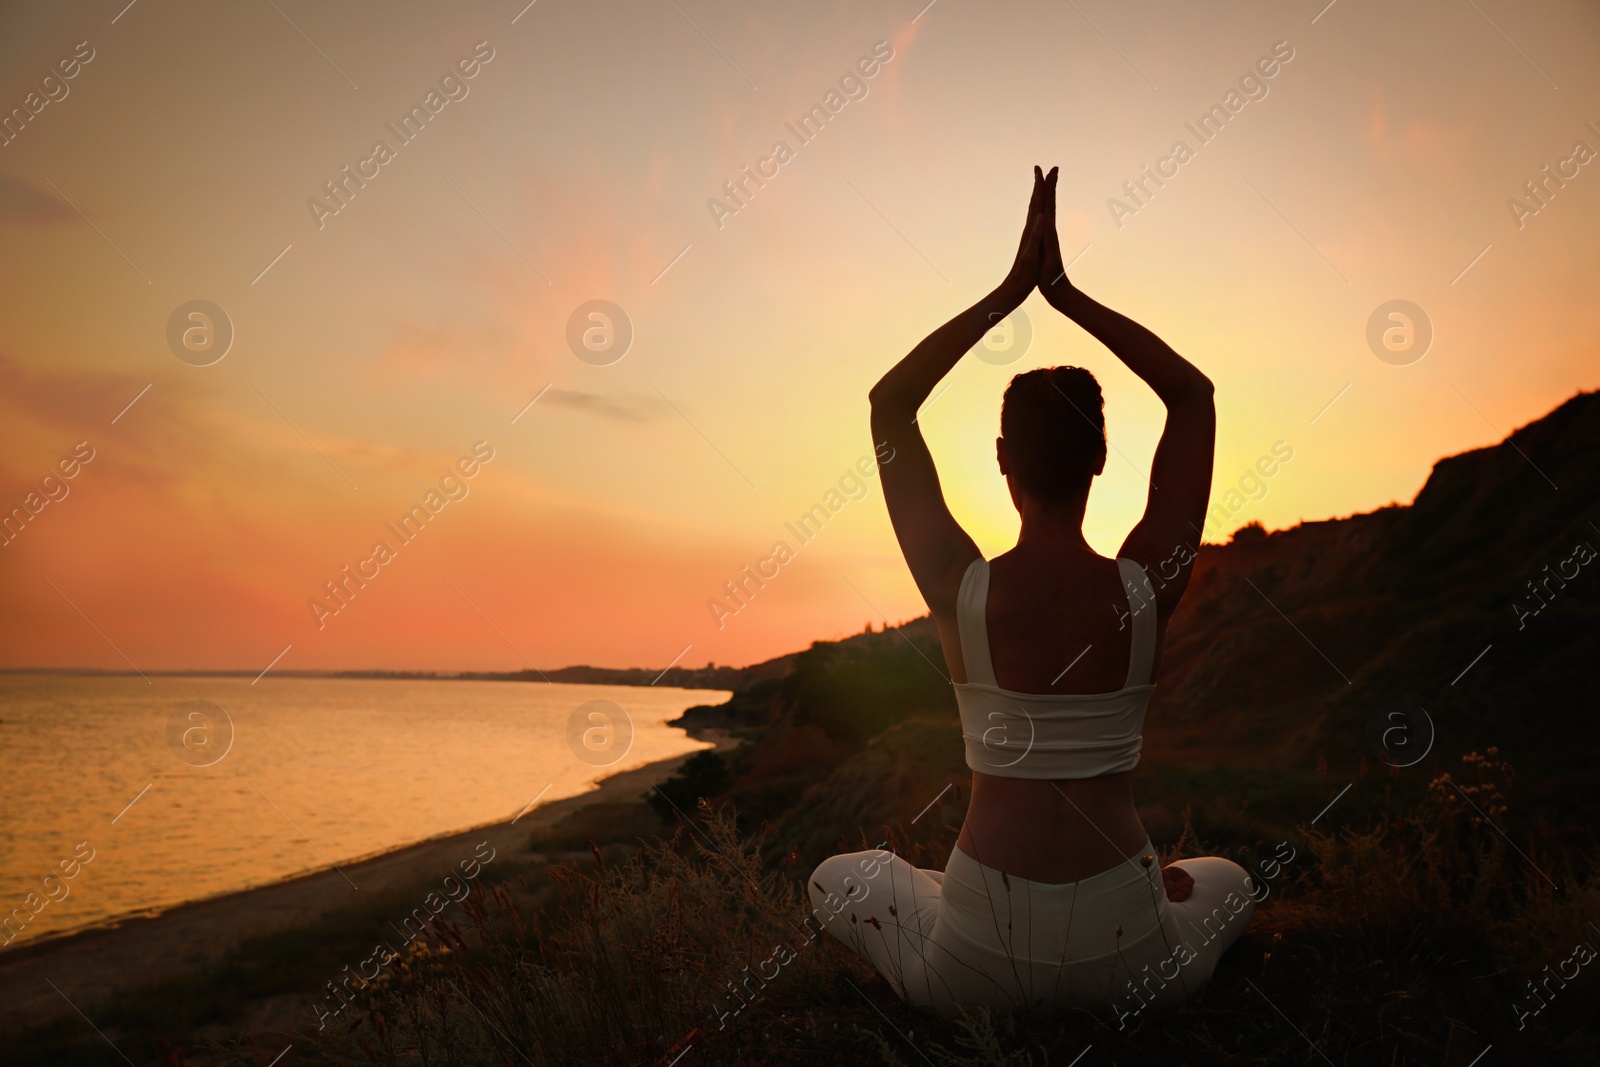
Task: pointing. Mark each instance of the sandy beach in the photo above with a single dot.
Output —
(87, 966)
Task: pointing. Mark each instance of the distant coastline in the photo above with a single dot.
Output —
(709, 677)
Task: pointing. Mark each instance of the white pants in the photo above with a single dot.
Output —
(973, 935)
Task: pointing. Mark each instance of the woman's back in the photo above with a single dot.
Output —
(1057, 621)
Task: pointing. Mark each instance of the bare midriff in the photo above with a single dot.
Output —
(1052, 830)
(1064, 829)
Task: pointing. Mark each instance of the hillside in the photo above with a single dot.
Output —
(707, 677)
(1401, 601)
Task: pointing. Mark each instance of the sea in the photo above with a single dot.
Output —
(181, 788)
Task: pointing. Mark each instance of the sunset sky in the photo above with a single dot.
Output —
(375, 346)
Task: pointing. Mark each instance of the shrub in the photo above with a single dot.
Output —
(702, 775)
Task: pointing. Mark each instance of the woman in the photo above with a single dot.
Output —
(1052, 895)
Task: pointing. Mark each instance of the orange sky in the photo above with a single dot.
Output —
(577, 163)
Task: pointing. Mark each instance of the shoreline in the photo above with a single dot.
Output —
(723, 679)
(94, 962)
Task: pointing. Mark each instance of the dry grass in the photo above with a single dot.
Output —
(1406, 941)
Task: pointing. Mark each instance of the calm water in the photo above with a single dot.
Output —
(318, 771)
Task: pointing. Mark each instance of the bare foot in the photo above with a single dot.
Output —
(1177, 883)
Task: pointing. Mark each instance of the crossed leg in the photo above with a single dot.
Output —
(1215, 913)
(884, 909)
(887, 912)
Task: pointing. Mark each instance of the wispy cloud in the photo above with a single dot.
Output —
(23, 203)
(635, 409)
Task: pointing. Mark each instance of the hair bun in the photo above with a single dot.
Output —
(1053, 422)
(1080, 388)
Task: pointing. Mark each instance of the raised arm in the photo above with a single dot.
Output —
(936, 548)
(1168, 536)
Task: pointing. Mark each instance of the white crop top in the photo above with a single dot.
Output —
(1052, 735)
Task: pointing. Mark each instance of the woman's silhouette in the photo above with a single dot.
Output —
(1052, 894)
